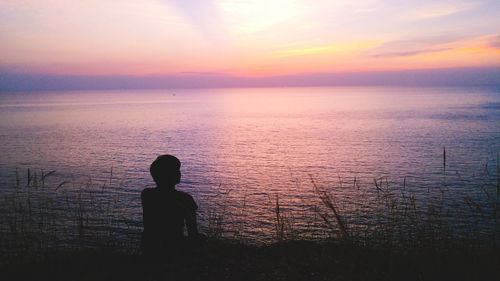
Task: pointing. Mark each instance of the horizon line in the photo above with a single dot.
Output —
(457, 76)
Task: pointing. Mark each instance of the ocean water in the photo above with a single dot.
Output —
(242, 149)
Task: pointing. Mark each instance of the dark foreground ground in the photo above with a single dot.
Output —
(218, 260)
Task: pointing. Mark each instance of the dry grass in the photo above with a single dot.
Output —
(400, 219)
(39, 218)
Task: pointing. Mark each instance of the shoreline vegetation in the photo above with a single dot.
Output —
(75, 231)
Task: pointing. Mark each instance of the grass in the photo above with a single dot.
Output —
(75, 230)
(38, 218)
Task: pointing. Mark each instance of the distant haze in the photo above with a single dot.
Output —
(485, 76)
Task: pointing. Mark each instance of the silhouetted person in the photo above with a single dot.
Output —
(166, 210)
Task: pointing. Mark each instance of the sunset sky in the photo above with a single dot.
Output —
(258, 38)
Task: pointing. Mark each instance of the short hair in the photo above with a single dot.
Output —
(164, 167)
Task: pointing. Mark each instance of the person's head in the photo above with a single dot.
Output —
(165, 170)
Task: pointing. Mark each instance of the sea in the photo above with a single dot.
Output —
(252, 155)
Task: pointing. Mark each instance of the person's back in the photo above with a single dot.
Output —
(166, 210)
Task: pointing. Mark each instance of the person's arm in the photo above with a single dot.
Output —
(190, 216)
(145, 209)
(191, 224)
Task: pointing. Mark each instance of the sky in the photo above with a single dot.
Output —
(249, 39)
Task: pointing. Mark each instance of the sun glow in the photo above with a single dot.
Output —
(256, 16)
(328, 51)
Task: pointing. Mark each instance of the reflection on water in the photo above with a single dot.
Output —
(241, 148)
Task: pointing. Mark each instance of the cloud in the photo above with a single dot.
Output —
(410, 53)
(203, 15)
(415, 46)
(467, 76)
(487, 44)
(495, 42)
(442, 9)
(203, 73)
(343, 48)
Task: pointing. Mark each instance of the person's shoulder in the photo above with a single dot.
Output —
(147, 192)
(186, 197)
